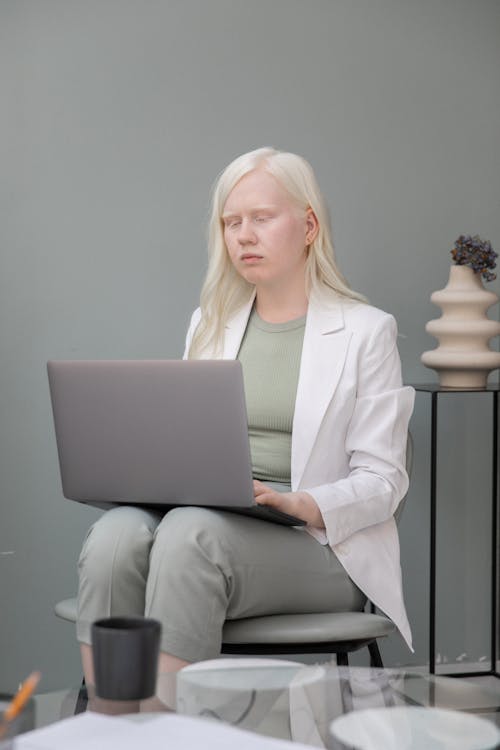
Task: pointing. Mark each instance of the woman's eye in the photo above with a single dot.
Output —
(260, 219)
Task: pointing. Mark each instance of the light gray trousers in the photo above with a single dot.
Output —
(194, 568)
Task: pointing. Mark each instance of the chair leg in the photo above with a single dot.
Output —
(375, 658)
(342, 659)
(82, 700)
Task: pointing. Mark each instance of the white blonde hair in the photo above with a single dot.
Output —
(224, 291)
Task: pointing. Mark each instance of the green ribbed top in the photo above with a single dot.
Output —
(270, 357)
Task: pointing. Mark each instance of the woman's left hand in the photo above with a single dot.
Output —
(299, 504)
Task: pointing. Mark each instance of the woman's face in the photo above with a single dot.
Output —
(265, 231)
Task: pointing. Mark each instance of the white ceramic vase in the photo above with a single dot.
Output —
(463, 358)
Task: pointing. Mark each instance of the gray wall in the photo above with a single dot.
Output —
(116, 117)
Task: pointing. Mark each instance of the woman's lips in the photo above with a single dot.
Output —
(251, 258)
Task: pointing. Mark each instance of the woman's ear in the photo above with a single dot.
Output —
(312, 226)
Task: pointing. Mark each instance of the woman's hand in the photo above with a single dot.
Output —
(299, 504)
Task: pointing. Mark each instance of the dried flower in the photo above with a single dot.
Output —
(476, 253)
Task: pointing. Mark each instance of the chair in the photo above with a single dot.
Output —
(338, 633)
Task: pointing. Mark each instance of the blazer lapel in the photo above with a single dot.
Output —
(235, 329)
(323, 356)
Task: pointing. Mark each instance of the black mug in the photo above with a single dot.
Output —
(125, 654)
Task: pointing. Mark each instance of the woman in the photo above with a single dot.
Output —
(328, 420)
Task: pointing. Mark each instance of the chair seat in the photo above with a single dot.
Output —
(308, 628)
(66, 609)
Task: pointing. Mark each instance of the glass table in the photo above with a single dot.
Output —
(285, 699)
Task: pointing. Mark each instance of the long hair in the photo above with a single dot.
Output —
(224, 291)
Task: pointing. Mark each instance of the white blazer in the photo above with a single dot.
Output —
(349, 437)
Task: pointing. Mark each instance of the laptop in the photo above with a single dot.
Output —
(155, 433)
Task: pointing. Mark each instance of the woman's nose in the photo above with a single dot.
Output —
(246, 232)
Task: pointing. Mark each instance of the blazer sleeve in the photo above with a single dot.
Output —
(375, 441)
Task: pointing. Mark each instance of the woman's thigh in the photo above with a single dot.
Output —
(280, 570)
(259, 567)
(207, 566)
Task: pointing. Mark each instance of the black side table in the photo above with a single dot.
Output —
(436, 394)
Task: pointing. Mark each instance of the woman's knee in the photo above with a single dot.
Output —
(189, 531)
(120, 538)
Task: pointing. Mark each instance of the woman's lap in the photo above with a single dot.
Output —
(197, 567)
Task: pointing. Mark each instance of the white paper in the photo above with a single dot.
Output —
(91, 731)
